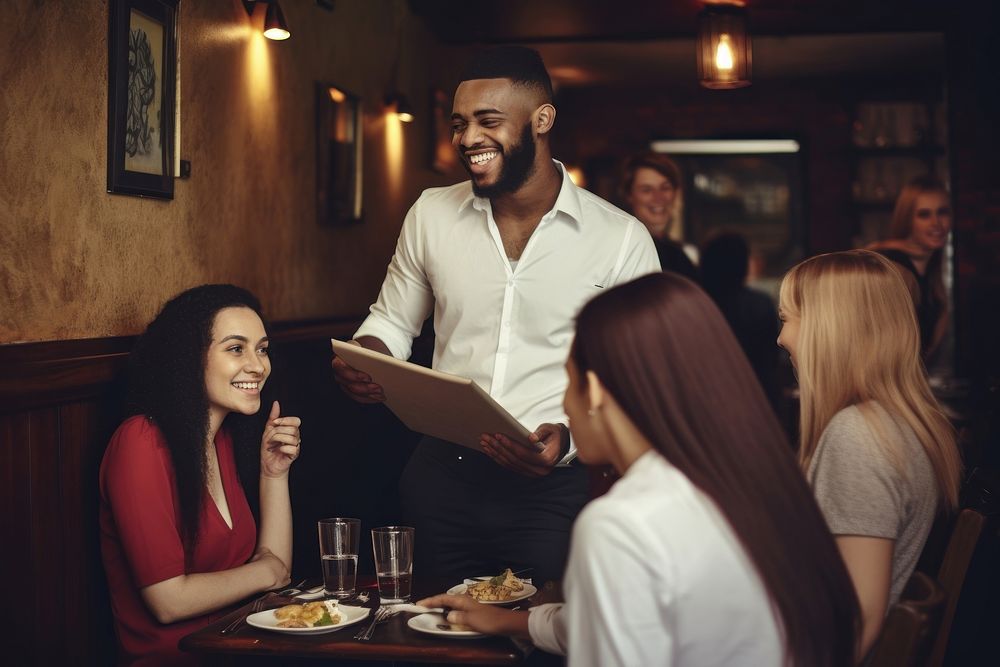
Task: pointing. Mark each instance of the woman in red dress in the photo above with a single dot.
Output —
(178, 539)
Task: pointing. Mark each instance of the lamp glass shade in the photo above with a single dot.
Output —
(725, 53)
(274, 23)
(404, 110)
(400, 106)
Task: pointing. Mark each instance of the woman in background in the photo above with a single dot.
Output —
(918, 233)
(876, 447)
(652, 189)
(710, 549)
(178, 539)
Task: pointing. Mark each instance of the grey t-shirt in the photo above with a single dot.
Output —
(861, 491)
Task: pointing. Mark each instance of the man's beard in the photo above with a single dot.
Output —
(518, 165)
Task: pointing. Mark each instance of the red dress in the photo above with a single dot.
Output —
(141, 543)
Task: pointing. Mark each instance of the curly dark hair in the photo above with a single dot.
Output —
(167, 385)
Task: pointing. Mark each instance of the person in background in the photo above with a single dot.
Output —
(178, 539)
(918, 233)
(875, 446)
(710, 550)
(504, 261)
(725, 260)
(652, 189)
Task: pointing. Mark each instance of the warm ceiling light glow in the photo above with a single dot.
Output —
(723, 54)
(724, 50)
(724, 146)
(337, 95)
(395, 156)
(576, 175)
(258, 72)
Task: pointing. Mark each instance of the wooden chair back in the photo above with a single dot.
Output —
(912, 625)
(969, 530)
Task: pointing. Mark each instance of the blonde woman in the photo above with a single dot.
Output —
(876, 447)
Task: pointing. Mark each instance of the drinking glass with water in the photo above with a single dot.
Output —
(393, 547)
(339, 539)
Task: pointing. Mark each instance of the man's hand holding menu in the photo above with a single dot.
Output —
(356, 384)
(545, 447)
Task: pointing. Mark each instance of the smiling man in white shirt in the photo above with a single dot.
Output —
(505, 261)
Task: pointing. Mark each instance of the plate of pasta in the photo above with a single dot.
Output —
(501, 589)
(311, 618)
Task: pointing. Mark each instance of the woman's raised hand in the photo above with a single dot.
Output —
(280, 444)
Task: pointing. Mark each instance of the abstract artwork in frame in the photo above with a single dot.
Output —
(142, 57)
(338, 155)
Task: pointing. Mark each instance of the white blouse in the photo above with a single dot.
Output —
(657, 577)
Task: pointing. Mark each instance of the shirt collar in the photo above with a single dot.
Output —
(567, 202)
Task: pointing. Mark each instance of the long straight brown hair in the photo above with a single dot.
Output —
(665, 353)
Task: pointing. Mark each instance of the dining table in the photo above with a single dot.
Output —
(392, 640)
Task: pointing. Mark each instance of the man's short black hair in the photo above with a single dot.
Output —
(520, 64)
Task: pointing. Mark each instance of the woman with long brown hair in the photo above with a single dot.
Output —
(710, 550)
(876, 447)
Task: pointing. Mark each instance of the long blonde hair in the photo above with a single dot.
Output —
(859, 342)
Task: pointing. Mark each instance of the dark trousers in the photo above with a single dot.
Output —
(473, 517)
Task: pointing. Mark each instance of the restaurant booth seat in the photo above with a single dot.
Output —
(912, 625)
(61, 401)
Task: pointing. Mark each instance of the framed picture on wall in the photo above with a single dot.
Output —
(338, 155)
(142, 57)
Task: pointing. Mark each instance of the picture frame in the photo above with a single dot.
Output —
(442, 154)
(142, 88)
(338, 155)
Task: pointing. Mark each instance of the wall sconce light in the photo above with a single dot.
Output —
(398, 104)
(725, 54)
(275, 26)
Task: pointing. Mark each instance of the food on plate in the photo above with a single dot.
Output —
(496, 589)
(458, 627)
(308, 615)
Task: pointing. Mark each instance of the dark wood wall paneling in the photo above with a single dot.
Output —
(59, 404)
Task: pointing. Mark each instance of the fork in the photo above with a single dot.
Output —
(381, 614)
(258, 605)
(294, 590)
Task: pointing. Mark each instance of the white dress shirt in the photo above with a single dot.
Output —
(657, 577)
(508, 329)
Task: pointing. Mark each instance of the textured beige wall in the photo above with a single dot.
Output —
(77, 262)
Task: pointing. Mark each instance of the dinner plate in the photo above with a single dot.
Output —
(528, 591)
(436, 624)
(265, 620)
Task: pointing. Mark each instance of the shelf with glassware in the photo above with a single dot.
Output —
(893, 142)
